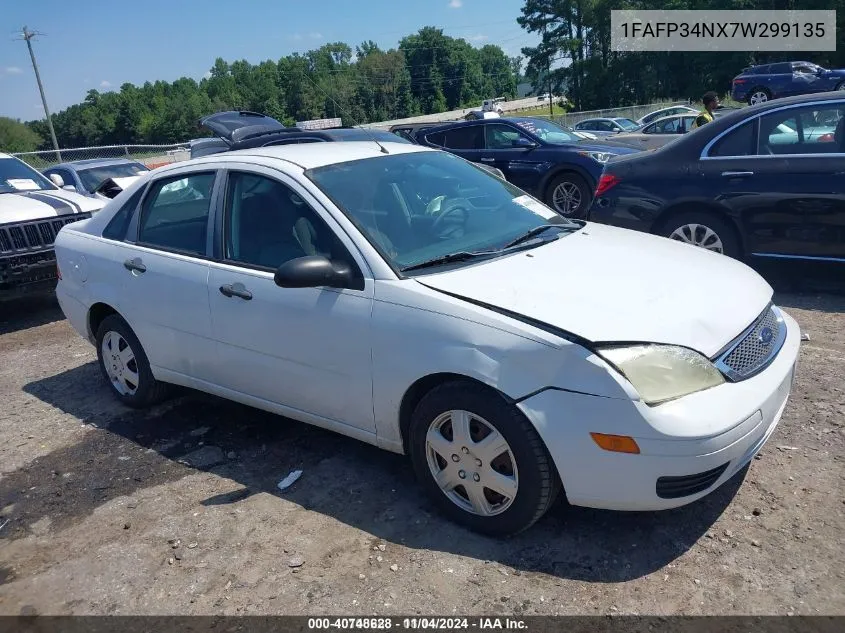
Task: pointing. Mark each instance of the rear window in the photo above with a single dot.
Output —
(738, 142)
(779, 69)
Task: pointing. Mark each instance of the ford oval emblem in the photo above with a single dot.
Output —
(766, 336)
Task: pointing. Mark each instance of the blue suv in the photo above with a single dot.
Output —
(536, 155)
(758, 84)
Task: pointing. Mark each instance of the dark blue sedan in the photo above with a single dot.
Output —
(759, 84)
(536, 155)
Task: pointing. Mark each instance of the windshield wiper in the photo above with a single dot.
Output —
(537, 230)
(460, 256)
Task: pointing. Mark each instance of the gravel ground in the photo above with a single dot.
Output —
(104, 510)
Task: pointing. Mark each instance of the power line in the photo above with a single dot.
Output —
(27, 35)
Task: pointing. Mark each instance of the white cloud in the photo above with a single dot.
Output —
(478, 38)
(105, 84)
(315, 35)
(13, 70)
(456, 4)
(295, 37)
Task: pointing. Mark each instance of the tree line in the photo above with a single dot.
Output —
(428, 72)
(575, 52)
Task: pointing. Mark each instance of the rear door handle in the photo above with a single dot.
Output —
(488, 160)
(737, 174)
(135, 265)
(235, 290)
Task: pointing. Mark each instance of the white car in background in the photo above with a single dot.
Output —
(32, 211)
(400, 296)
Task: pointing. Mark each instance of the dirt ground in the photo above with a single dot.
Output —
(108, 511)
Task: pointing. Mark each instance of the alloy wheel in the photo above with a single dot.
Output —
(566, 198)
(759, 97)
(120, 363)
(699, 235)
(472, 463)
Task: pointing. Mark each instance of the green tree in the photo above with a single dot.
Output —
(17, 137)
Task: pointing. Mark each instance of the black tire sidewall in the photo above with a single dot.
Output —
(535, 483)
(726, 233)
(578, 181)
(147, 388)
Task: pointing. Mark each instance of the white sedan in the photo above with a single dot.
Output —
(406, 298)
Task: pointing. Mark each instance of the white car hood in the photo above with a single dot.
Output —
(607, 284)
(34, 205)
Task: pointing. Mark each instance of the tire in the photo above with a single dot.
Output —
(840, 85)
(524, 465)
(681, 227)
(114, 336)
(759, 95)
(569, 183)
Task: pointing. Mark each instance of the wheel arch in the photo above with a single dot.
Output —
(97, 313)
(421, 387)
(700, 206)
(567, 168)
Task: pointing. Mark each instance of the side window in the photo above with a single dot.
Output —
(603, 126)
(669, 126)
(175, 213)
(780, 69)
(808, 130)
(502, 136)
(739, 142)
(117, 226)
(267, 224)
(469, 137)
(437, 138)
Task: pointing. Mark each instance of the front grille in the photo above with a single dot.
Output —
(755, 348)
(34, 235)
(686, 485)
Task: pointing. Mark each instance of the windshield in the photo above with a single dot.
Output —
(418, 206)
(16, 175)
(627, 124)
(93, 177)
(548, 131)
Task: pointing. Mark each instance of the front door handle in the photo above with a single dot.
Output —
(737, 174)
(135, 265)
(235, 290)
(488, 160)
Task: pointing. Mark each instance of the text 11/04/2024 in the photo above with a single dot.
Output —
(640, 31)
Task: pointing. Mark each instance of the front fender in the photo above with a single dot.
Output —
(451, 336)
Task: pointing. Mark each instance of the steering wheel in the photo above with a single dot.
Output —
(456, 207)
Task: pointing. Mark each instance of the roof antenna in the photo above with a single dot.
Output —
(381, 147)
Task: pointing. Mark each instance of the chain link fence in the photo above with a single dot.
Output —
(150, 155)
(630, 112)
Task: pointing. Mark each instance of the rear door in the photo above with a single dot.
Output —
(163, 272)
(466, 141)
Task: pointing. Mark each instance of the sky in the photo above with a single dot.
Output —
(101, 45)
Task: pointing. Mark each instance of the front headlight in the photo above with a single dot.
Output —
(663, 372)
(601, 157)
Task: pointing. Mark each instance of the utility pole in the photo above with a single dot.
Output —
(28, 35)
(549, 76)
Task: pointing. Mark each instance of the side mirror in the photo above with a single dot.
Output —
(313, 271)
(524, 143)
(57, 180)
(68, 187)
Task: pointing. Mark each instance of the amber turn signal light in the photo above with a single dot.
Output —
(616, 443)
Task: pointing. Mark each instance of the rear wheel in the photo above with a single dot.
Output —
(480, 459)
(840, 85)
(125, 365)
(704, 230)
(569, 195)
(759, 95)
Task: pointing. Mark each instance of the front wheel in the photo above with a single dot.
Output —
(569, 195)
(703, 230)
(481, 460)
(125, 365)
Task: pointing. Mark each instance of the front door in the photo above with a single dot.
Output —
(513, 152)
(306, 349)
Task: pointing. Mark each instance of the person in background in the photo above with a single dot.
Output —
(711, 102)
